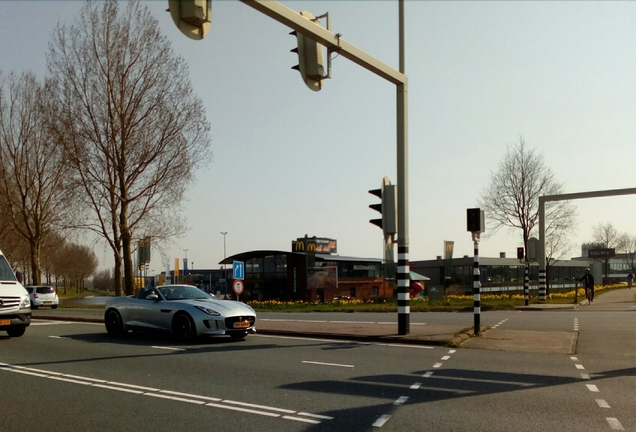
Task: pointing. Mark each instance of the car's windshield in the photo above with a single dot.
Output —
(182, 292)
(5, 271)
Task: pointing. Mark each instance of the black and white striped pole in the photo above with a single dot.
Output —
(475, 224)
(526, 283)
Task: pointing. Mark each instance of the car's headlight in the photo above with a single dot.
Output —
(208, 310)
(25, 302)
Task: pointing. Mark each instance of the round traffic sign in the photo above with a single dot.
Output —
(238, 287)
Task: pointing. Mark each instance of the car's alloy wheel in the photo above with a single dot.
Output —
(114, 324)
(183, 327)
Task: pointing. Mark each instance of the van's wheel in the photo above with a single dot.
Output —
(114, 323)
(16, 331)
(183, 327)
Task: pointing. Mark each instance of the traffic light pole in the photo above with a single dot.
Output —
(335, 43)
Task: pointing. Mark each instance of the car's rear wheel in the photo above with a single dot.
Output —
(114, 323)
(16, 331)
(54, 307)
(183, 327)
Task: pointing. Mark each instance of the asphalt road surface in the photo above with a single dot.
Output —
(74, 377)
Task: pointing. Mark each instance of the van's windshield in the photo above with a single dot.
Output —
(5, 271)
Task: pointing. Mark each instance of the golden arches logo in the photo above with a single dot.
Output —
(311, 247)
(300, 245)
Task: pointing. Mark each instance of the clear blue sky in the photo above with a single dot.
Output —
(289, 162)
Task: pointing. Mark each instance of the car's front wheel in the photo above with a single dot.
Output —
(114, 323)
(183, 327)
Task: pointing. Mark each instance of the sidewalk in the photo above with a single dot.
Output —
(429, 334)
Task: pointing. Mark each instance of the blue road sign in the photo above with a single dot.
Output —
(238, 269)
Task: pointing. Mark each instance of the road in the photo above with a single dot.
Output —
(72, 376)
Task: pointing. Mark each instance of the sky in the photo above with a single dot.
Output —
(289, 161)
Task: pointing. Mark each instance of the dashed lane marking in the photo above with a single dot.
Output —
(416, 386)
(349, 342)
(437, 365)
(614, 423)
(592, 388)
(381, 420)
(401, 400)
(602, 403)
(579, 366)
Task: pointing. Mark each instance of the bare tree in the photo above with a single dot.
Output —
(512, 199)
(610, 238)
(32, 184)
(133, 131)
(628, 248)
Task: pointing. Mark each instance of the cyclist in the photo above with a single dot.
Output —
(588, 283)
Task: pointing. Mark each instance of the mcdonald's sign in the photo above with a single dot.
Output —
(314, 244)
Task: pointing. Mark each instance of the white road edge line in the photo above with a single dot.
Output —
(168, 348)
(327, 364)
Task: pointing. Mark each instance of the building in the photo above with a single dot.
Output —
(496, 274)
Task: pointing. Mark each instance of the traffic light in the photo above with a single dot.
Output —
(192, 17)
(475, 220)
(386, 193)
(310, 58)
(520, 254)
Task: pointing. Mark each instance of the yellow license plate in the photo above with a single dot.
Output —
(242, 324)
(48, 302)
(5, 322)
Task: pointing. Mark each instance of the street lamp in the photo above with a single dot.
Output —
(224, 233)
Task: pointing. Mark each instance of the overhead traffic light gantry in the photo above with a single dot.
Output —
(310, 57)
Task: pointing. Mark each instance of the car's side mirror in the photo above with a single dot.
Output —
(153, 297)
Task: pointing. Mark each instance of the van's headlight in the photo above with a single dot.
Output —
(25, 302)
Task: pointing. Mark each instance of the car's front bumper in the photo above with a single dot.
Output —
(20, 318)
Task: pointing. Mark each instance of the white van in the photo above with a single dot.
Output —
(15, 306)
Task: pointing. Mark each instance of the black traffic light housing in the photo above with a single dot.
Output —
(475, 220)
(520, 254)
(386, 193)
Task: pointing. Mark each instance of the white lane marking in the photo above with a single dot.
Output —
(175, 398)
(585, 376)
(381, 420)
(614, 423)
(386, 322)
(437, 365)
(327, 364)
(233, 408)
(410, 346)
(401, 400)
(324, 417)
(445, 357)
(592, 388)
(249, 405)
(168, 348)
(452, 351)
(164, 394)
(58, 337)
(416, 386)
(574, 358)
(602, 403)
(579, 366)
(190, 395)
(48, 323)
(428, 374)
(418, 323)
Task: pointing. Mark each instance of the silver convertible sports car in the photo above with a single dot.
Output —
(182, 310)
